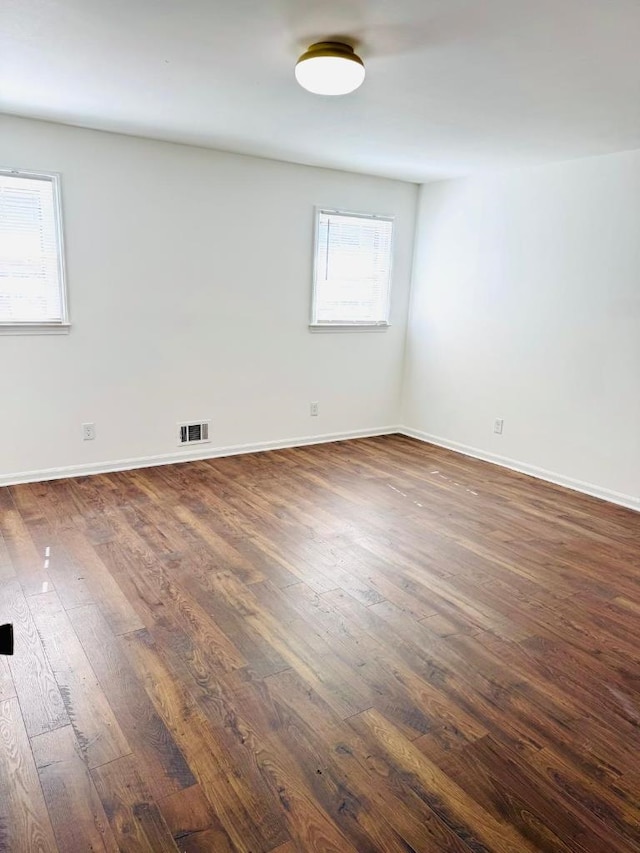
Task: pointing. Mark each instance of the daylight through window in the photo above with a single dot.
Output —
(352, 276)
(31, 263)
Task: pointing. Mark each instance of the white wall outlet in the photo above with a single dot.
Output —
(498, 426)
(88, 432)
(313, 409)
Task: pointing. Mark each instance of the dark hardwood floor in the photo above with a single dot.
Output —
(375, 645)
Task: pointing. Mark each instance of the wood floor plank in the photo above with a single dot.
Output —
(374, 645)
(64, 573)
(96, 729)
(7, 569)
(81, 575)
(40, 699)
(24, 820)
(300, 708)
(493, 778)
(7, 687)
(235, 791)
(134, 817)
(342, 688)
(104, 588)
(194, 824)
(246, 553)
(23, 554)
(617, 820)
(77, 815)
(459, 811)
(350, 790)
(165, 768)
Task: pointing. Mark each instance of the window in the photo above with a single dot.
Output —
(352, 269)
(32, 287)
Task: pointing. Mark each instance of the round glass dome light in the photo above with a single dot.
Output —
(330, 68)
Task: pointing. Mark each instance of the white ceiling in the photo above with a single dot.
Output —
(453, 86)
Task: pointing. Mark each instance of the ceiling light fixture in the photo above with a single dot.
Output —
(330, 68)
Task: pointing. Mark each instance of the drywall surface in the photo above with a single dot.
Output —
(526, 307)
(189, 277)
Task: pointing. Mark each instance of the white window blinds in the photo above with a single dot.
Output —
(352, 274)
(31, 269)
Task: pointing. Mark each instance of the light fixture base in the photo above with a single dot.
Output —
(330, 48)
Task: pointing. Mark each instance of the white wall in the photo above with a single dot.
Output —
(189, 281)
(526, 306)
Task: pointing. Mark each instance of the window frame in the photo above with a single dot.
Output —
(44, 327)
(349, 326)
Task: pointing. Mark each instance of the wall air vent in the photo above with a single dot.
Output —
(197, 433)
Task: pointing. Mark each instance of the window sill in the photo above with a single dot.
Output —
(349, 327)
(35, 328)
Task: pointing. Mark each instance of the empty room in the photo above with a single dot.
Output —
(320, 426)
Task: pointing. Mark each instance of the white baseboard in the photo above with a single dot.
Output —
(628, 501)
(202, 452)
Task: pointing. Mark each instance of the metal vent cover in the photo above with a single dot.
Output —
(193, 433)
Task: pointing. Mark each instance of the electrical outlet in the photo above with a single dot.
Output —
(88, 432)
(498, 426)
(313, 409)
